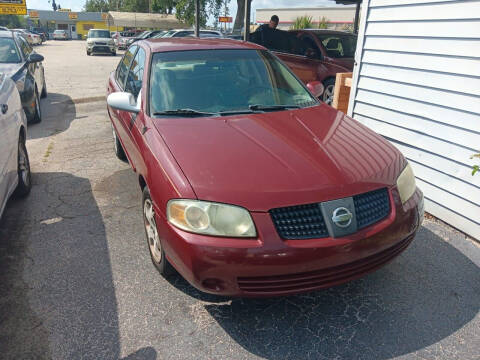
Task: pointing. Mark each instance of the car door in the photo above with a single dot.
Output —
(8, 138)
(133, 85)
(34, 69)
(116, 84)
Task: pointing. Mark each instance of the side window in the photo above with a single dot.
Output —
(124, 65)
(135, 75)
(24, 46)
(310, 43)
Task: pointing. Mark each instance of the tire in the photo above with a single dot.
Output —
(44, 90)
(89, 53)
(117, 146)
(157, 254)
(37, 116)
(23, 168)
(327, 96)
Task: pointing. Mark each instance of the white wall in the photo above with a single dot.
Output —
(417, 83)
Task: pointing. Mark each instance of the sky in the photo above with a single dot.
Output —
(77, 5)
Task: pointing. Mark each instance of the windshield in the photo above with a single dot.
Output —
(8, 51)
(215, 81)
(339, 46)
(99, 34)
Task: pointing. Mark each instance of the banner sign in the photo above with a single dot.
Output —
(72, 16)
(225, 19)
(13, 7)
(33, 14)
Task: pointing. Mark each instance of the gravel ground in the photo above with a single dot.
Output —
(76, 280)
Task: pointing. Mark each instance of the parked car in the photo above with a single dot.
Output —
(24, 66)
(32, 39)
(14, 164)
(145, 35)
(189, 33)
(41, 32)
(100, 42)
(309, 58)
(123, 43)
(60, 35)
(3, 28)
(261, 189)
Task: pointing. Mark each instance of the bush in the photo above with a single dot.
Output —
(323, 24)
(303, 22)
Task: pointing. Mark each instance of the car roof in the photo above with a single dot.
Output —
(6, 34)
(183, 44)
(100, 30)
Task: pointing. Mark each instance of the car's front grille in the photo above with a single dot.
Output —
(307, 222)
(100, 43)
(101, 48)
(371, 207)
(299, 222)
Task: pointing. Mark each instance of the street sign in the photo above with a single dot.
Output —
(225, 19)
(13, 7)
(33, 14)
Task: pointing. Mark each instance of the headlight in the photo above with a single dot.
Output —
(406, 184)
(90, 42)
(208, 218)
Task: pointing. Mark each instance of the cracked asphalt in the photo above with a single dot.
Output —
(76, 280)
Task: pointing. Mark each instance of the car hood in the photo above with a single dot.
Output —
(264, 161)
(10, 69)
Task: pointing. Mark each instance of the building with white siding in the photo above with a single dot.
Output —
(417, 83)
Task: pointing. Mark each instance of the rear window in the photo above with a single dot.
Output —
(339, 46)
(59, 31)
(99, 34)
(280, 41)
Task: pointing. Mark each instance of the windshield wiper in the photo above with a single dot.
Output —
(183, 112)
(272, 107)
(236, 112)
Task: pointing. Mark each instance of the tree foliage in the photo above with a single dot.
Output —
(303, 22)
(12, 21)
(476, 168)
(323, 23)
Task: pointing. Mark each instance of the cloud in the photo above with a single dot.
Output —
(75, 5)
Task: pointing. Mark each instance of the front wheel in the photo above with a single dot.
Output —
(157, 254)
(329, 88)
(117, 146)
(23, 168)
(37, 116)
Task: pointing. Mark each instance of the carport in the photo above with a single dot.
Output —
(248, 6)
(143, 20)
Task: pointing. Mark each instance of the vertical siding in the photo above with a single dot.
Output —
(417, 83)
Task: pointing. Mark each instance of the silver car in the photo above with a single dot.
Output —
(14, 164)
(100, 42)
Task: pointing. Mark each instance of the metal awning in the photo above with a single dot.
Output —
(143, 20)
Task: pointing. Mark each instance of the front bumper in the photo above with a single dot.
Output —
(271, 266)
(101, 49)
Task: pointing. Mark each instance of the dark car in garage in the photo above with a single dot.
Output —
(24, 66)
(313, 55)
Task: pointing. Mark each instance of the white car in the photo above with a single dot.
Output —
(189, 33)
(15, 174)
(60, 35)
(32, 39)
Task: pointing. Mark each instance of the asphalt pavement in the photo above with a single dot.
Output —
(76, 281)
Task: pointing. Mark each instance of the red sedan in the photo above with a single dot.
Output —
(251, 186)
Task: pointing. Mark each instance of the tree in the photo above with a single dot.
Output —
(238, 25)
(323, 24)
(12, 21)
(97, 6)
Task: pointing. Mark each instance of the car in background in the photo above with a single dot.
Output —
(41, 32)
(145, 35)
(189, 33)
(24, 66)
(304, 52)
(33, 39)
(60, 35)
(15, 177)
(123, 42)
(260, 190)
(100, 42)
(3, 28)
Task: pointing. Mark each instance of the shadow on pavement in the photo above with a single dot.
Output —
(58, 112)
(65, 311)
(428, 293)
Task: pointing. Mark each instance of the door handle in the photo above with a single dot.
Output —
(4, 108)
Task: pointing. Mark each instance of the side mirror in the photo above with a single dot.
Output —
(316, 88)
(34, 58)
(123, 101)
